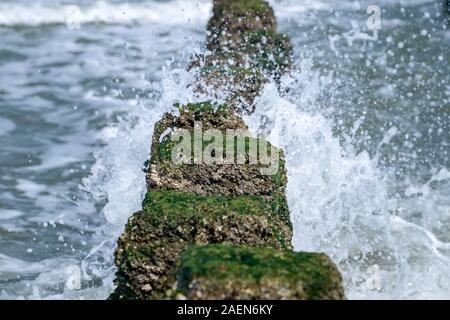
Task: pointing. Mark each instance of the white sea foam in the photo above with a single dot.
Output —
(11, 267)
(340, 204)
(117, 174)
(29, 188)
(34, 14)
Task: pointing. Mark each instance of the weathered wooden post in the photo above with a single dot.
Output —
(220, 229)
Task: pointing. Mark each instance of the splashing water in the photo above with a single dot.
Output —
(364, 128)
(340, 202)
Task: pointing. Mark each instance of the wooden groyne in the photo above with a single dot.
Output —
(215, 222)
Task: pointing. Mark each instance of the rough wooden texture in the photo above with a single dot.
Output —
(221, 231)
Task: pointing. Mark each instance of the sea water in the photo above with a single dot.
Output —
(364, 125)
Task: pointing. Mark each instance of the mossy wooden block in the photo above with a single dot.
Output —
(171, 221)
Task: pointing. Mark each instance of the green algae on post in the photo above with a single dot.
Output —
(219, 218)
(240, 272)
